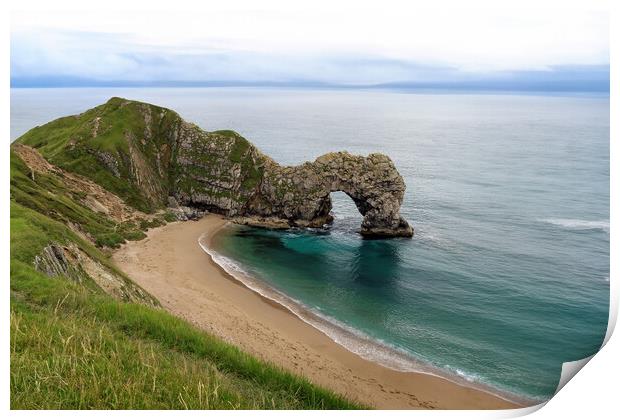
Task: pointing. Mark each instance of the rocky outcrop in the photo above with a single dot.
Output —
(146, 154)
(53, 262)
(300, 195)
(71, 262)
(184, 213)
(224, 173)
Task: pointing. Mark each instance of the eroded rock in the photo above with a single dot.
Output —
(71, 262)
(226, 174)
(144, 154)
(300, 195)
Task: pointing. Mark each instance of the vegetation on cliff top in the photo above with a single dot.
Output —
(73, 345)
(47, 194)
(106, 143)
(131, 148)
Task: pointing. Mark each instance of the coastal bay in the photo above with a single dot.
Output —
(319, 207)
(507, 276)
(171, 266)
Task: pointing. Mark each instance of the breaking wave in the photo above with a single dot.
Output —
(578, 224)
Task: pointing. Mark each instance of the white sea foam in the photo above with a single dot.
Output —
(578, 224)
(356, 341)
(467, 376)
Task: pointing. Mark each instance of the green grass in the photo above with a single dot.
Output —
(168, 216)
(75, 347)
(81, 161)
(122, 145)
(32, 231)
(70, 143)
(47, 195)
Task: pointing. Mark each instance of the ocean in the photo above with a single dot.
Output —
(507, 276)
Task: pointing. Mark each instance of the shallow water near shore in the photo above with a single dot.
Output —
(507, 276)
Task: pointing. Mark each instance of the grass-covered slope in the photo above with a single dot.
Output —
(144, 153)
(83, 335)
(74, 348)
(51, 192)
(124, 146)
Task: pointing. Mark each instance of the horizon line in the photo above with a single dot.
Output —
(594, 86)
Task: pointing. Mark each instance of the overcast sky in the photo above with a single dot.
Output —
(430, 41)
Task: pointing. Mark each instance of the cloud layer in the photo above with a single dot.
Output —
(456, 42)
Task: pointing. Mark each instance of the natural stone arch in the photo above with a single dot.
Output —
(149, 155)
(300, 195)
(344, 208)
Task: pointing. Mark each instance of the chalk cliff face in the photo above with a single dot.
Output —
(146, 154)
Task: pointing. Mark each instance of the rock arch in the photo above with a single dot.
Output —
(300, 195)
(161, 158)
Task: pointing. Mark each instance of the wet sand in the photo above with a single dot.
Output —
(171, 265)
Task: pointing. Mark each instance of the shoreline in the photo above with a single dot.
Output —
(172, 265)
(352, 340)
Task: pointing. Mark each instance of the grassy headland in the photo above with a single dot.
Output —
(83, 335)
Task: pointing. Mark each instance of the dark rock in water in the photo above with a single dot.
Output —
(151, 157)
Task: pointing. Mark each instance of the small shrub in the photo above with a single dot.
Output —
(110, 240)
(135, 235)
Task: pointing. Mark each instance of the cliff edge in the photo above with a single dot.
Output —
(149, 156)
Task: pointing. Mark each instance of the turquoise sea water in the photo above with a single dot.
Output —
(507, 276)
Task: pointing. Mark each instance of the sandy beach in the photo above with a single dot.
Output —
(171, 265)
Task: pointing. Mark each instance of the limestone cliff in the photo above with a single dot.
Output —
(299, 195)
(146, 154)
